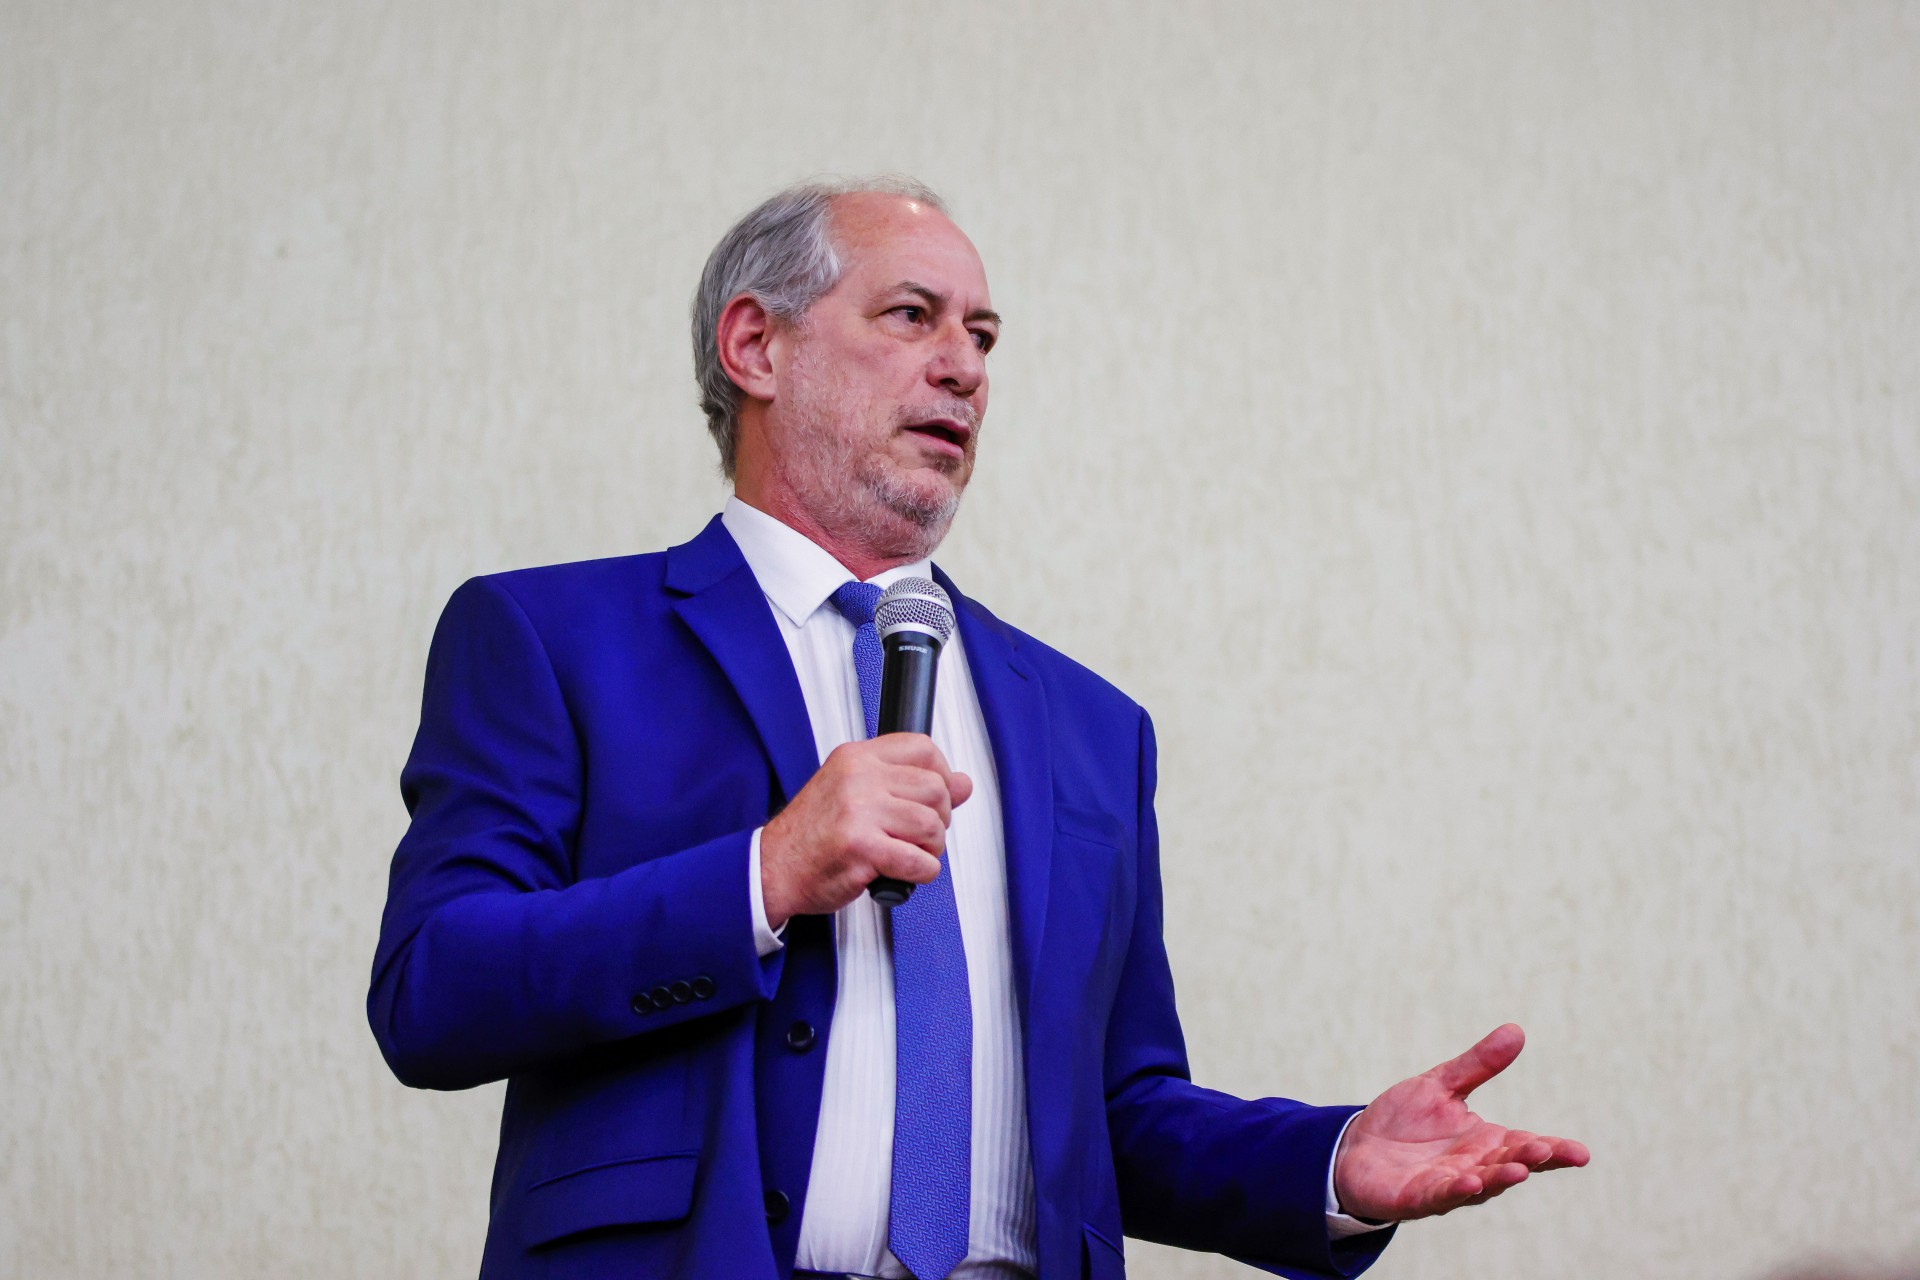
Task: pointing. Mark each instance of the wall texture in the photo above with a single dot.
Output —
(1487, 436)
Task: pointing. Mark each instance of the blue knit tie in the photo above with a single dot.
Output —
(933, 1031)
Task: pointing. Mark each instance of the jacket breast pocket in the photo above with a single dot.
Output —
(1090, 907)
(1100, 857)
(622, 1193)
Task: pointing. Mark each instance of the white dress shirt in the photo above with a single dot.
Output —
(843, 1227)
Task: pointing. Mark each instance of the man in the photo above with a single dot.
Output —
(646, 807)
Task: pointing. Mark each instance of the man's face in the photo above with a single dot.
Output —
(883, 384)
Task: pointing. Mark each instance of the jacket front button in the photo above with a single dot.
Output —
(800, 1037)
(777, 1207)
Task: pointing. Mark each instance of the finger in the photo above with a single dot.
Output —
(1566, 1154)
(1472, 1187)
(917, 824)
(947, 774)
(916, 749)
(921, 787)
(1494, 1054)
(1520, 1148)
(1539, 1152)
(1461, 1189)
(1482, 1198)
(1532, 1154)
(1502, 1176)
(900, 860)
(1495, 1181)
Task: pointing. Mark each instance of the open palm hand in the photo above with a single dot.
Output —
(1417, 1150)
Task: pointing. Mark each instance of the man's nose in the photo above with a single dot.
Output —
(958, 365)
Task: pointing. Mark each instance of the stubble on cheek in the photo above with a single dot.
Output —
(887, 492)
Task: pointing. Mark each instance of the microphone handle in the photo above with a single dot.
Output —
(907, 678)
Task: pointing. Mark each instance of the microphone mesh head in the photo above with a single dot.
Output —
(914, 604)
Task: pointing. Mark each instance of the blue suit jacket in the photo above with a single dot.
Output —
(569, 910)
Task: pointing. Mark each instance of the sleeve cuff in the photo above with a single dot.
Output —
(766, 941)
(1339, 1225)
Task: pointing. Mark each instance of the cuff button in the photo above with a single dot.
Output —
(703, 988)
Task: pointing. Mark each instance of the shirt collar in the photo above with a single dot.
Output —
(797, 573)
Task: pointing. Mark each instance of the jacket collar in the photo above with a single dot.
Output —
(721, 602)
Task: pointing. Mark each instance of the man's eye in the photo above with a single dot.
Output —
(913, 314)
(983, 340)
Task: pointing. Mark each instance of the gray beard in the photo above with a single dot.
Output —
(879, 509)
(931, 515)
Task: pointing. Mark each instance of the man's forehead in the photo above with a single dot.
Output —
(881, 235)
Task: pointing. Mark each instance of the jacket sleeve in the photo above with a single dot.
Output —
(1199, 1169)
(493, 958)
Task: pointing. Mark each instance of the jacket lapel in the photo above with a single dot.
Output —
(1015, 707)
(722, 604)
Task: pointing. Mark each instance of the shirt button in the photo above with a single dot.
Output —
(703, 988)
(800, 1037)
(777, 1207)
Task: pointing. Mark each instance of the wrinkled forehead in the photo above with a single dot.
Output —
(883, 238)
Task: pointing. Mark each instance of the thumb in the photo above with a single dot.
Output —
(1494, 1054)
(959, 787)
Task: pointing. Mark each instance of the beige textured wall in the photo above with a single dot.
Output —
(1487, 436)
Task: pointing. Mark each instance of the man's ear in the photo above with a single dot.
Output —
(743, 335)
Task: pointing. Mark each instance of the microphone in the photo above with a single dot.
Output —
(914, 619)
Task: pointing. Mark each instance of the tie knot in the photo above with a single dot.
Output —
(855, 601)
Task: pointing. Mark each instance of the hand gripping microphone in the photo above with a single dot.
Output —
(914, 618)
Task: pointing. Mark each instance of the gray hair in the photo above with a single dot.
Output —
(783, 256)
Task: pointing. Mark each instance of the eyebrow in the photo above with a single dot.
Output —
(937, 299)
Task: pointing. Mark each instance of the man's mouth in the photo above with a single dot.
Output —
(949, 431)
